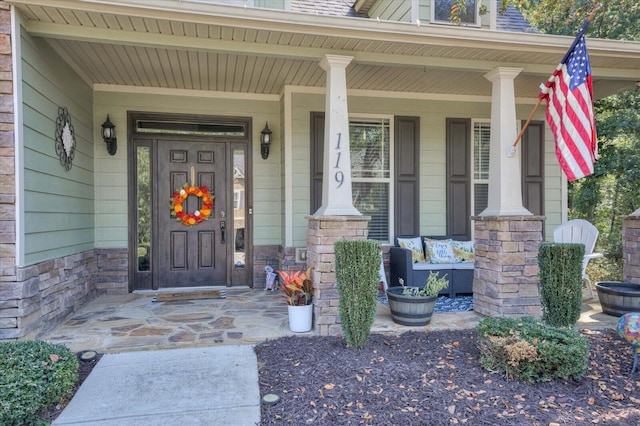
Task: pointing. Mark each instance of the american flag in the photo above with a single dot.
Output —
(569, 96)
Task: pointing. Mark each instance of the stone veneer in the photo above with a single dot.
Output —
(631, 248)
(322, 233)
(42, 295)
(505, 282)
(270, 255)
(113, 271)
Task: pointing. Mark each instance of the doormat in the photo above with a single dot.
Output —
(189, 295)
(444, 303)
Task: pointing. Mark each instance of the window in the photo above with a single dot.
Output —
(369, 140)
(441, 12)
(480, 175)
(237, 199)
(143, 220)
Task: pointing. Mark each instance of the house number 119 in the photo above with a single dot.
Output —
(338, 175)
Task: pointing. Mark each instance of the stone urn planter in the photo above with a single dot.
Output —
(618, 298)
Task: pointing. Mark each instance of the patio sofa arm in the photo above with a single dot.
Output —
(401, 266)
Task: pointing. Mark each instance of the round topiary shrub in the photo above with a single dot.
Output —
(33, 376)
(528, 350)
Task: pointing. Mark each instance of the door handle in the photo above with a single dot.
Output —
(223, 228)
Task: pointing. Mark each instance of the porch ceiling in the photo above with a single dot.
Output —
(181, 44)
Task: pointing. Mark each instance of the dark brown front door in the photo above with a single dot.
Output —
(167, 151)
(195, 255)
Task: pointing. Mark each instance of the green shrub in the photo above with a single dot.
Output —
(530, 351)
(33, 376)
(358, 276)
(560, 282)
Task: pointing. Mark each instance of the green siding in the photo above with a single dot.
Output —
(392, 10)
(432, 155)
(269, 4)
(269, 203)
(58, 204)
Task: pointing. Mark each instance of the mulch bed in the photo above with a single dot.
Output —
(52, 413)
(435, 379)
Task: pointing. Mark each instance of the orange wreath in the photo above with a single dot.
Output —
(190, 219)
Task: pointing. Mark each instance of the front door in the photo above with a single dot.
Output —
(203, 239)
(191, 255)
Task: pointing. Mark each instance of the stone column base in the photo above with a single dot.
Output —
(322, 233)
(631, 248)
(505, 282)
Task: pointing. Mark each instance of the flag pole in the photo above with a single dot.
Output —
(512, 149)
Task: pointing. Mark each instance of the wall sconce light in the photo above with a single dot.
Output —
(265, 141)
(109, 136)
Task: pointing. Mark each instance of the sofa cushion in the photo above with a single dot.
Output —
(463, 251)
(439, 251)
(428, 266)
(463, 265)
(415, 245)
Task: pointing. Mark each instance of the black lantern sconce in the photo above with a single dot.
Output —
(109, 136)
(265, 141)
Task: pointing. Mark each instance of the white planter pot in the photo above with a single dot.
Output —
(300, 318)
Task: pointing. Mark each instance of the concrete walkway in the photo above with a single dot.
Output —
(190, 386)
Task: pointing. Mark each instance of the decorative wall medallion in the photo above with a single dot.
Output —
(65, 138)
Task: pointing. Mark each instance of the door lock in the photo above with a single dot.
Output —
(223, 228)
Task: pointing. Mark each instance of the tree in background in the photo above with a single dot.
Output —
(612, 191)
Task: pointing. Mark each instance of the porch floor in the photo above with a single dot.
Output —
(132, 322)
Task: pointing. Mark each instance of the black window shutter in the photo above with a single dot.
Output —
(458, 186)
(317, 157)
(407, 176)
(532, 146)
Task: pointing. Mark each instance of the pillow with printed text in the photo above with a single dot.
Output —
(439, 251)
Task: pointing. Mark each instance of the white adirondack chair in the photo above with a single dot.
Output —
(580, 231)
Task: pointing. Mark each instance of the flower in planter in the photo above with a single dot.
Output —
(297, 287)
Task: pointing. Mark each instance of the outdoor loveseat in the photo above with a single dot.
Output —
(412, 259)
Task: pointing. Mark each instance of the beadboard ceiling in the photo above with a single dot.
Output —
(195, 46)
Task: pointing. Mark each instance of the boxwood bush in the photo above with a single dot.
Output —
(358, 276)
(530, 351)
(34, 375)
(560, 282)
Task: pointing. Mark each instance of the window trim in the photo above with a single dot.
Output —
(475, 181)
(474, 121)
(476, 24)
(392, 178)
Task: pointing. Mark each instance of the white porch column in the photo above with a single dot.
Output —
(505, 176)
(336, 182)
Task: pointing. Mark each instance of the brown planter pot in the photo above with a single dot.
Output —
(618, 298)
(410, 310)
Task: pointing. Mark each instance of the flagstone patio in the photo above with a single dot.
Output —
(132, 322)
